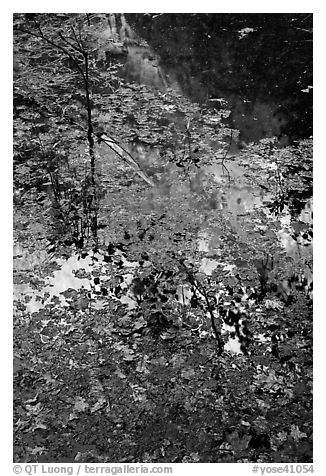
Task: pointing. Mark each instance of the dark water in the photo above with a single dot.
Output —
(260, 63)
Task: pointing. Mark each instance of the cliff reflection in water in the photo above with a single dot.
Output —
(259, 63)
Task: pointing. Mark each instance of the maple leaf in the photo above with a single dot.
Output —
(142, 365)
(188, 374)
(128, 354)
(238, 443)
(296, 434)
(80, 404)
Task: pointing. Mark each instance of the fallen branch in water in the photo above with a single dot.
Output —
(125, 156)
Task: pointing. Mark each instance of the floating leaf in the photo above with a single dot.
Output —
(80, 404)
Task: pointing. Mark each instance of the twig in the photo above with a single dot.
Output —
(74, 47)
(55, 45)
(223, 158)
(203, 292)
